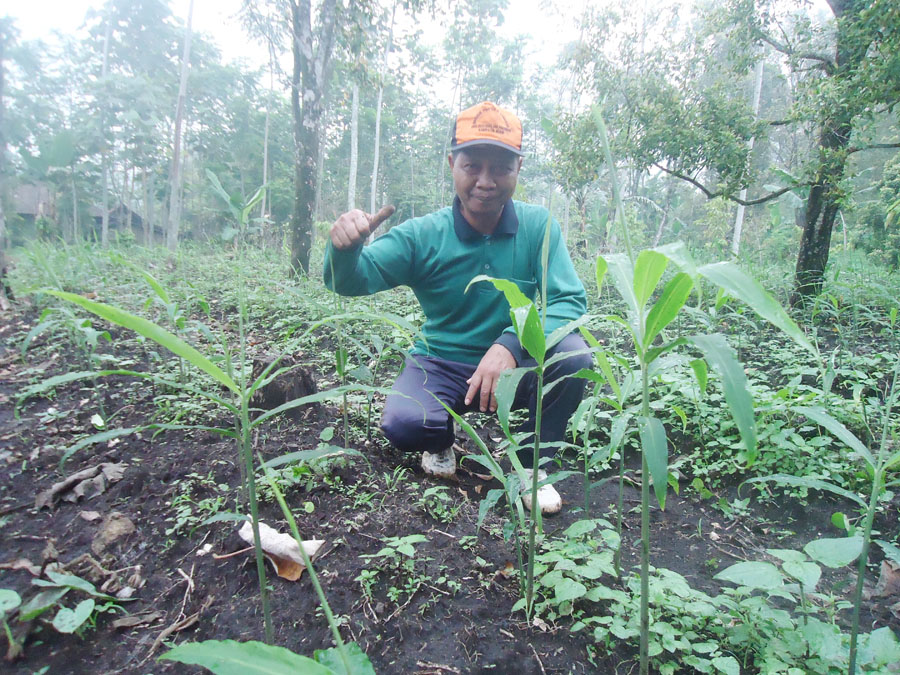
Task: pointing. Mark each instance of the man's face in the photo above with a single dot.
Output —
(485, 178)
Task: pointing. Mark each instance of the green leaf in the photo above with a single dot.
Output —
(823, 419)
(359, 661)
(721, 357)
(727, 664)
(568, 589)
(151, 331)
(666, 308)
(528, 326)
(229, 657)
(227, 516)
(835, 552)
(678, 253)
(505, 393)
(73, 581)
(701, 373)
(95, 438)
(891, 551)
(9, 600)
(309, 455)
(880, 648)
(41, 603)
(814, 483)
(600, 272)
(746, 289)
(68, 620)
(648, 270)
(806, 573)
(622, 274)
(514, 296)
(656, 450)
(754, 574)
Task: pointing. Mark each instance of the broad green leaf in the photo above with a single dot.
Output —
(505, 393)
(678, 253)
(648, 270)
(701, 373)
(561, 332)
(891, 551)
(514, 296)
(880, 648)
(9, 600)
(622, 273)
(754, 574)
(721, 357)
(41, 603)
(68, 620)
(746, 289)
(787, 554)
(807, 573)
(73, 581)
(727, 665)
(666, 308)
(835, 552)
(600, 272)
(151, 331)
(229, 657)
(656, 449)
(813, 483)
(823, 419)
(359, 662)
(568, 589)
(528, 326)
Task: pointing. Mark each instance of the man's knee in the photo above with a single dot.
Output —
(402, 427)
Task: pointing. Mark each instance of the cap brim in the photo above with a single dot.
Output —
(479, 141)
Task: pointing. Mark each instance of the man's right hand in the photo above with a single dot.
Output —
(353, 227)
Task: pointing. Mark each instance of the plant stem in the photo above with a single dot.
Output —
(536, 523)
(645, 532)
(323, 601)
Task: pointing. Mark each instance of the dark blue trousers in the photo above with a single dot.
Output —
(414, 421)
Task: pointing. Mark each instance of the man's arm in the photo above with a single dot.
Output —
(352, 269)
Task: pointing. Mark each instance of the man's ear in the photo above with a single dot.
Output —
(450, 160)
(519, 167)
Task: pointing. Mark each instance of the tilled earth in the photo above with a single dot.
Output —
(179, 583)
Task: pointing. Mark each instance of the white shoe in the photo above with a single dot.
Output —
(547, 496)
(440, 464)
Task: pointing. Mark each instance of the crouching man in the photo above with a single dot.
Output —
(469, 340)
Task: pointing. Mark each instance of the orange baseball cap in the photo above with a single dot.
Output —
(487, 124)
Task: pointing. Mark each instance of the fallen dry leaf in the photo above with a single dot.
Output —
(888, 580)
(85, 483)
(22, 564)
(137, 620)
(281, 549)
(90, 516)
(115, 526)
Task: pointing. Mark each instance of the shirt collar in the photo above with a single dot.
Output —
(509, 222)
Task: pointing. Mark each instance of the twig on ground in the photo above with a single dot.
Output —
(538, 659)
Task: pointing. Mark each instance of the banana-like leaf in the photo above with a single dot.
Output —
(721, 357)
(746, 289)
(648, 270)
(656, 449)
(842, 433)
(666, 308)
(229, 657)
(151, 331)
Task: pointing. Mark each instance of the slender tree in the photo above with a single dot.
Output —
(175, 177)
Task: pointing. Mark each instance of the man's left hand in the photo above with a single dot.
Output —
(497, 359)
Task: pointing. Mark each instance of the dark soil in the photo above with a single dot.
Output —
(439, 630)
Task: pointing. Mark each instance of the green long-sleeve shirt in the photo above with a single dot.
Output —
(438, 254)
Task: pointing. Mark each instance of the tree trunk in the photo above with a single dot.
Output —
(739, 218)
(825, 195)
(373, 204)
(104, 157)
(175, 180)
(312, 64)
(354, 148)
